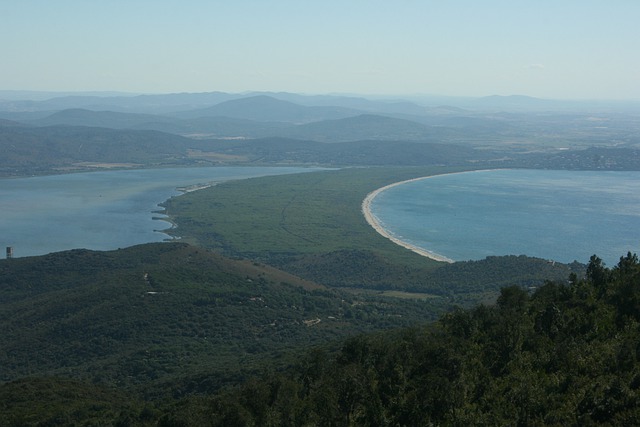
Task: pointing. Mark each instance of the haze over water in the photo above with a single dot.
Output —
(558, 215)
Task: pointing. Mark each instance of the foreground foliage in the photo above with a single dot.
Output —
(565, 354)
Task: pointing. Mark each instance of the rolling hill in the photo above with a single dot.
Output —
(36, 150)
(201, 127)
(229, 124)
(265, 108)
(91, 118)
(169, 315)
(50, 149)
(133, 103)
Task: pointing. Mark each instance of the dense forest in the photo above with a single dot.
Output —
(563, 354)
(567, 354)
(169, 316)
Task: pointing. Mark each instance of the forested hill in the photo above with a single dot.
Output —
(54, 149)
(566, 354)
(169, 317)
(33, 150)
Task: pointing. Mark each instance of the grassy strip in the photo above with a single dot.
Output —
(314, 213)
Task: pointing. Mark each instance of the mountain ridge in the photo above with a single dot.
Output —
(267, 108)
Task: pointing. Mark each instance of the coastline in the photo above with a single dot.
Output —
(375, 223)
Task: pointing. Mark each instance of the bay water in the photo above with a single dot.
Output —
(101, 210)
(556, 215)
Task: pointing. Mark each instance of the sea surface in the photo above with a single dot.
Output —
(556, 215)
(99, 210)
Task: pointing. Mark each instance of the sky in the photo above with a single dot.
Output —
(556, 49)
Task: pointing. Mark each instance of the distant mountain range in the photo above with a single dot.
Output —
(186, 129)
(254, 117)
(269, 109)
(184, 102)
(31, 101)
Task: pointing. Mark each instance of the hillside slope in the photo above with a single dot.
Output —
(36, 150)
(563, 355)
(169, 316)
(566, 354)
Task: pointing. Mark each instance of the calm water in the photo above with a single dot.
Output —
(559, 215)
(98, 210)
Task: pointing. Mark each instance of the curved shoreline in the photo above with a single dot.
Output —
(375, 222)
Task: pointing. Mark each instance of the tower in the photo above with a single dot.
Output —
(9, 252)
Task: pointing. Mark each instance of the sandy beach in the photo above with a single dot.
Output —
(375, 223)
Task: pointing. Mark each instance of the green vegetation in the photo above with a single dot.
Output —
(309, 214)
(565, 354)
(28, 150)
(171, 318)
(312, 226)
(64, 402)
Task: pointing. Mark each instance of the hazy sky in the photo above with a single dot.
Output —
(544, 48)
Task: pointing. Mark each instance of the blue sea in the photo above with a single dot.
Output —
(99, 210)
(556, 215)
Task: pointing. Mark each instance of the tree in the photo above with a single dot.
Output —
(597, 274)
